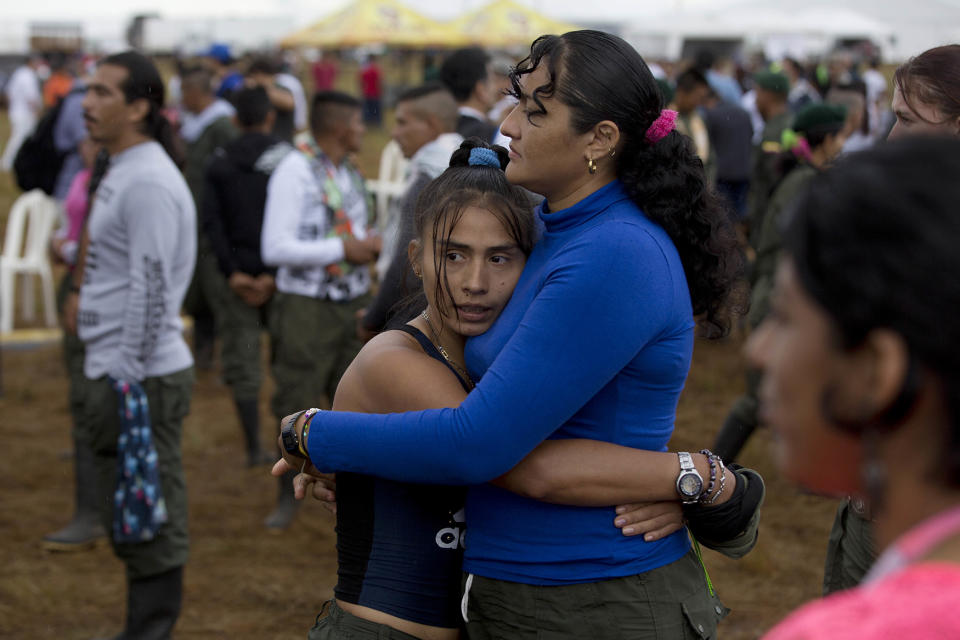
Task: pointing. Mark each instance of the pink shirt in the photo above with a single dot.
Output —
(919, 601)
(75, 210)
(75, 204)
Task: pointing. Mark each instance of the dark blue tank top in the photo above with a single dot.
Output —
(399, 545)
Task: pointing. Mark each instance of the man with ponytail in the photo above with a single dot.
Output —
(140, 249)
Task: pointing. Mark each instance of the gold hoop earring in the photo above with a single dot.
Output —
(591, 166)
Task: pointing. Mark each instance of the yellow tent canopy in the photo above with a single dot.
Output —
(505, 23)
(368, 22)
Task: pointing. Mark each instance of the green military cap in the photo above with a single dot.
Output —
(772, 81)
(820, 116)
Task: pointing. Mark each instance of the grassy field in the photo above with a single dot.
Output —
(243, 583)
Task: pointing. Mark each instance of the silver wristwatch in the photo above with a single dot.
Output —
(689, 482)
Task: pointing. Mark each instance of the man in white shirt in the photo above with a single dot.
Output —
(315, 230)
(424, 126)
(26, 101)
(139, 255)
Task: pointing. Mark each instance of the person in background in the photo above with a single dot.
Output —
(138, 256)
(315, 231)
(58, 85)
(262, 73)
(500, 68)
(817, 139)
(719, 73)
(431, 70)
(174, 96)
(371, 88)
(220, 60)
(877, 95)
(802, 92)
(69, 133)
(286, 79)
(689, 94)
(207, 123)
(771, 90)
(324, 70)
(24, 103)
(466, 73)
(85, 530)
(860, 379)
(234, 198)
(730, 131)
(425, 128)
(858, 126)
(925, 100)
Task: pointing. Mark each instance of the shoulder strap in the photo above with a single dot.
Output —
(431, 350)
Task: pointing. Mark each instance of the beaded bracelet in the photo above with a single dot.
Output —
(305, 429)
(712, 459)
(723, 484)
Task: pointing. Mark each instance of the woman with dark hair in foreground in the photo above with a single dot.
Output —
(861, 381)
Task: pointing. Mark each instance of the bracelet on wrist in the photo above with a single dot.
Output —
(712, 461)
(715, 462)
(305, 430)
(723, 485)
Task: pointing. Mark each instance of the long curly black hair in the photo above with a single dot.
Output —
(601, 77)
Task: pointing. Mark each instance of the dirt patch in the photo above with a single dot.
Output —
(243, 582)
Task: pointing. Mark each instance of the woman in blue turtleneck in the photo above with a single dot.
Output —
(595, 343)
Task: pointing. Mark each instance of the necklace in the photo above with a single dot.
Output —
(436, 341)
(915, 543)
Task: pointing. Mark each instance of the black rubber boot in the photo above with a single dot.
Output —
(732, 438)
(287, 506)
(153, 606)
(86, 530)
(249, 413)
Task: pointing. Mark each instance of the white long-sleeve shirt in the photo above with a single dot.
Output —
(143, 245)
(23, 93)
(297, 226)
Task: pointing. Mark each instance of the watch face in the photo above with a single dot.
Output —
(690, 484)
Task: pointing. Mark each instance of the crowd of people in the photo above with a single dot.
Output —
(504, 354)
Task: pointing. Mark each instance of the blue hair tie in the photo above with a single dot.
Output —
(483, 157)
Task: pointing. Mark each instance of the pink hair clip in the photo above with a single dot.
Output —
(663, 125)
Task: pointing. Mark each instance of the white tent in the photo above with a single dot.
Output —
(806, 27)
(901, 29)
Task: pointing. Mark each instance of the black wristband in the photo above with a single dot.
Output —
(289, 436)
(72, 288)
(726, 521)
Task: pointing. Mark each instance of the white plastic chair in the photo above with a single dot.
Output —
(32, 215)
(389, 183)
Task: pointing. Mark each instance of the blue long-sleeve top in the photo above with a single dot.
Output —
(595, 343)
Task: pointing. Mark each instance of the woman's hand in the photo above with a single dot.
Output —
(655, 520)
(323, 486)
